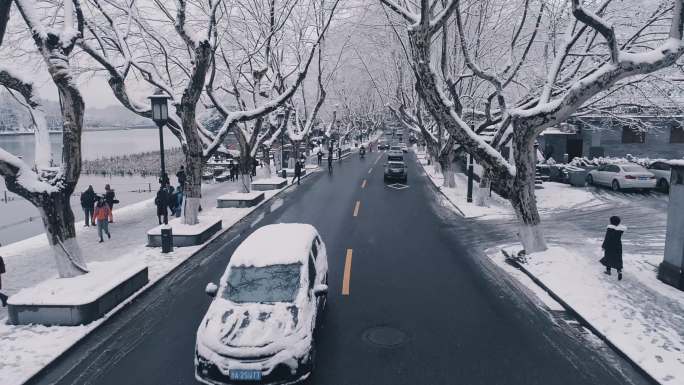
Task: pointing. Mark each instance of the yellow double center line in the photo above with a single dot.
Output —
(348, 259)
(347, 272)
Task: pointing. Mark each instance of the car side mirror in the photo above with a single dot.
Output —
(211, 289)
(320, 290)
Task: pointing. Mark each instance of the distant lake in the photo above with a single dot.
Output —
(94, 144)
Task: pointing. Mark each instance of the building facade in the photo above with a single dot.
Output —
(648, 136)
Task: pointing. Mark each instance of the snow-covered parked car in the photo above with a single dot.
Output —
(259, 327)
(622, 176)
(662, 171)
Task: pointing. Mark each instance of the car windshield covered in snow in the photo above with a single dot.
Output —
(267, 284)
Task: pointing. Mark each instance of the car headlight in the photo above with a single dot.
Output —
(203, 365)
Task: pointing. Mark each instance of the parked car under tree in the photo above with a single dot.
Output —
(662, 172)
(622, 176)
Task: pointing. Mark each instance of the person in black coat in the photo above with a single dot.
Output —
(110, 198)
(162, 203)
(3, 297)
(612, 247)
(180, 175)
(330, 161)
(88, 204)
(297, 171)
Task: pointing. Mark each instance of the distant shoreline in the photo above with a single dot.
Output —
(95, 129)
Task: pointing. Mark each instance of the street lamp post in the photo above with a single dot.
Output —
(279, 117)
(471, 170)
(160, 115)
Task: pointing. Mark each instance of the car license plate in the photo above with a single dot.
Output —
(245, 375)
(643, 178)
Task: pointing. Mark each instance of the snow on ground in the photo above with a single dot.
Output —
(24, 350)
(496, 207)
(640, 315)
(550, 198)
(82, 290)
(179, 228)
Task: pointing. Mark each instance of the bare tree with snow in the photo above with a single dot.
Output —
(46, 187)
(571, 80)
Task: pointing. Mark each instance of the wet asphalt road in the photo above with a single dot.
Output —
(416, 270)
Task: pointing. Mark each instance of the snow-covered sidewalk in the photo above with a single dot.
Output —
(640, 315)
(24, 350)
(551, 198)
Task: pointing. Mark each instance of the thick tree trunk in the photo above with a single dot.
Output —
(522, 195)
(483, 190)
(447, 161)
(55, 209)
(187, 109)
(245, 168)
(192, 192)
(266, 155)
(58, 220)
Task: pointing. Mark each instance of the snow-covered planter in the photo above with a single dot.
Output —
(270, 183)
(78, 300)
(239, 199)
(186, 235)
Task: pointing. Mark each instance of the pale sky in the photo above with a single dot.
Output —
(95, 90)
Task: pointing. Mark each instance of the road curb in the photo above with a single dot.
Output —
(583, 321)
(128, 301)
(459, 211)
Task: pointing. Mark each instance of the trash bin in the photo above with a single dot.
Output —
(284, 174)
(577, 176)
(167, 240)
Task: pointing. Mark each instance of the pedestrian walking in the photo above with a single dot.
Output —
(101, 215)
(233, 171)
(330, 162)
(612, 246)
(180, 175)
(88, 204)
(297, 172)
(110, 198)
(172, 200)
(3, 297)
(320, 156)
(178, 197)
(339, 154)
(162, 203)
(255, 163)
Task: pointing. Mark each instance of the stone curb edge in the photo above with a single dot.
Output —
(581, 319)
(128, 301)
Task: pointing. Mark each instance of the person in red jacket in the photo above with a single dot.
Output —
(101, 216)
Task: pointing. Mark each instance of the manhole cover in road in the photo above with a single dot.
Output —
(384, 336)
(397, 186)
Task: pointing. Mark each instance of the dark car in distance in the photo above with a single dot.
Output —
(395, 170)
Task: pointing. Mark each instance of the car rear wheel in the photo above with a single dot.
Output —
(663, 185)
(615, 185)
